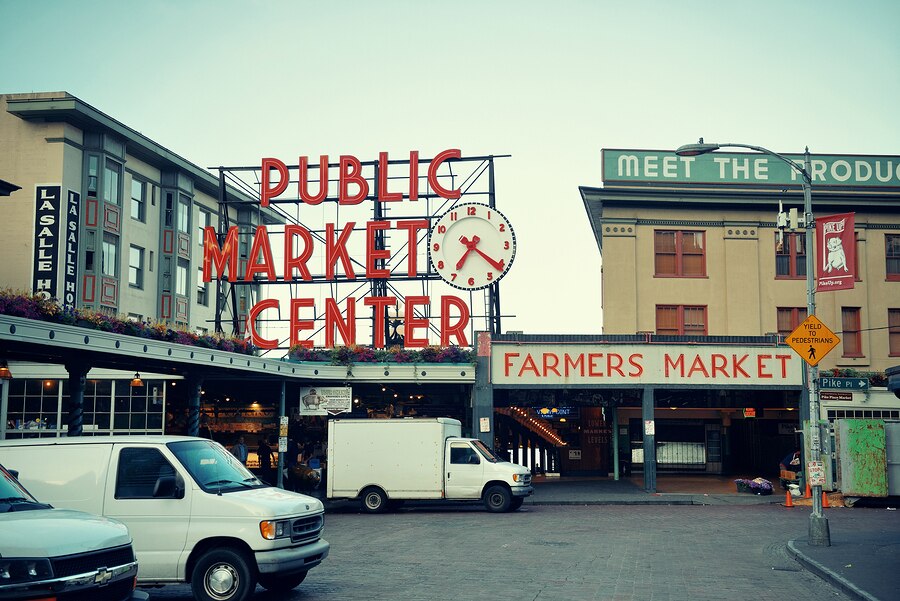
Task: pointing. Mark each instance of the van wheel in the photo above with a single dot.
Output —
(374, 500)
(516, 503)
(222, 575)
(281, 584)
(497, 499)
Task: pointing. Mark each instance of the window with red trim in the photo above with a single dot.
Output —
(681, 320)
(892, 256)
(894, 332)
(680, 253)
(851, 336)
(789, 318)
(790, 255)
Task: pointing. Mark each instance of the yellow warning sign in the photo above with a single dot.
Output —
(812, 340)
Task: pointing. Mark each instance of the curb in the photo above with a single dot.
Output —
(827, 575)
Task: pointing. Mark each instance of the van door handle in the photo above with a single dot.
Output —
(448, 475)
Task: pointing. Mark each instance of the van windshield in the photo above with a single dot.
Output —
(486, 452)
(213, 467)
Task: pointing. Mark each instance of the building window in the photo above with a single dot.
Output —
(851, 336)
(892, 256)
(136, 267)
(184, 214)
(112, 176)
(169, 209)
(202, 289)
(680, 320)
(790, 255)
(894, 332)
(138, 200)
(789, 318)
(108, 257)
(680, 254)
(181, 270)
(857, 272)
(205, 221)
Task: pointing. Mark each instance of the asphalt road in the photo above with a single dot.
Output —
(560, 553)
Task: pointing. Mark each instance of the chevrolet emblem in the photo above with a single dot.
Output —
(103, 576)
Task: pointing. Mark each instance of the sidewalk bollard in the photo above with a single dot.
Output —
(788, 501)
(824, 500)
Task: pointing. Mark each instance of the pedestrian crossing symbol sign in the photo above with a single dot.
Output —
(812, 340)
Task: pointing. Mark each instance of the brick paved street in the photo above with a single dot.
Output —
(563, 553)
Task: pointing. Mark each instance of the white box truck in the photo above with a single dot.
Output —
(195, 512)
(383, 462)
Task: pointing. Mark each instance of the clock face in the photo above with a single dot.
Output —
(471, 246)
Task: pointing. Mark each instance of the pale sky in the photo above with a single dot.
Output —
(551, 83)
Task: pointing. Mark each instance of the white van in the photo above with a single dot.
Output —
(384, 462)
(48, 553)
(196, 514)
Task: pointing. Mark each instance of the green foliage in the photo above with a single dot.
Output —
(34, 306)
(875, 378)
(348, 355)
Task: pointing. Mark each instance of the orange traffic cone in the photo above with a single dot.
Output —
(788, 501)
(808, 491)
(824, 499)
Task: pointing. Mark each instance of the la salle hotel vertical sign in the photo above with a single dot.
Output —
(55, 243)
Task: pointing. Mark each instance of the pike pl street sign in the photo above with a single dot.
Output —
(844, 383)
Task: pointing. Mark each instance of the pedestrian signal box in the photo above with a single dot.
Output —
(812, 340)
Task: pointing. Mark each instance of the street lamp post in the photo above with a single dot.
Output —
(819, 534)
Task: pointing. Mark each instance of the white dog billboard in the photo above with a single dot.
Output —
(836, 251)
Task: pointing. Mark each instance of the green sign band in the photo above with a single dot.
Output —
(660, 166)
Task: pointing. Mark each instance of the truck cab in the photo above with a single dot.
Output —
(48, 553)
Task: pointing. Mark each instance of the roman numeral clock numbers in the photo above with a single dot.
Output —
(472, 246)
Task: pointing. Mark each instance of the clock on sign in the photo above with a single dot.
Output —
(471, 246)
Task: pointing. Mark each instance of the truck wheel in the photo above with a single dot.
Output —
(516, 503)
(222, 575)
(497, 499)
(281, 584)
(374, 500)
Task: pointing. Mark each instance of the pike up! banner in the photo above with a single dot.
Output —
(836, 253)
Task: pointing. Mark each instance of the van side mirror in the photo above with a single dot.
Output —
(15, 473)
(167, 487)
(473, 460)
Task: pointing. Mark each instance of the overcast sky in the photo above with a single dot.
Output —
(551, 83)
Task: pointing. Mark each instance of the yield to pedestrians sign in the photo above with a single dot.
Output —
(812, 340)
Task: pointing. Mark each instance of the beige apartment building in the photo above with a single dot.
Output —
(107, 219)
(702, 254)
(101, 217)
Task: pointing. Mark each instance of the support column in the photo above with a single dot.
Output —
(280, 483)
(615, 440)
(77, 375)
(194, 384)
(482, 394)
(648, 418)
(4, 407)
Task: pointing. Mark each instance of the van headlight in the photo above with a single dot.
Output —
(518, 477)
(272, 529)
(15, 571)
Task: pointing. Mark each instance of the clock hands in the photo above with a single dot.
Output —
(470, 246)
